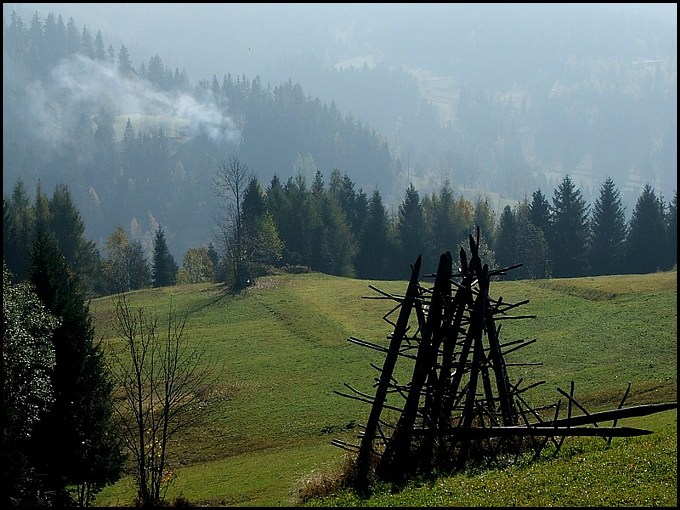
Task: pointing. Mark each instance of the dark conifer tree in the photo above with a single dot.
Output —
(254, 204)
(297, 222)
(485, 219)
(374, 250)
(68, 227)
(539, 212)
(353, 203)
(138, 270)
(646, 241)
(442, 221)
(608, 232)
(164, 267)
(569, 230)
(410, 228)
(75, 441)
(66, 224)
(336, 243)
(18, 227)
(531, 246)
(506, 239)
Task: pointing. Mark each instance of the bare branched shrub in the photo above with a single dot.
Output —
(164, 382)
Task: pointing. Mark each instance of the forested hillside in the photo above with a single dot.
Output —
(140, 145)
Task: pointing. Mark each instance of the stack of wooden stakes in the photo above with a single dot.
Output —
(460, 402)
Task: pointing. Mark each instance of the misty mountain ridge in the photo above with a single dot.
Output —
(586, 112)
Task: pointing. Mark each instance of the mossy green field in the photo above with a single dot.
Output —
(281, 351)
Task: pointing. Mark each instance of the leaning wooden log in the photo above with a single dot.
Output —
(385, 376)
(487, 432)
(614, 414)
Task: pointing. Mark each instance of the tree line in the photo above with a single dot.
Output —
(335, 228)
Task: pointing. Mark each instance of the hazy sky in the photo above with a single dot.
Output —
(207, 38)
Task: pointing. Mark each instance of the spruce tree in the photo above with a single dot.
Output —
(570, 230)
(164, 268)
(138, 270)
(75, 441)
(531, 246)
(506, 239)
(18, 226)
(374, 249)
(539, 212)
(608, 232)
(410, 228)
(442, 221)
(646, 241)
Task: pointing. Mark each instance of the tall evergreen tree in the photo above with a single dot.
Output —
(485, 219)
(98, 47)
(263, 245)
(18, 227)
(354, 204)
(531, 246)
(441, 217)
(87, 454)
(411, 227)
(506, 238)
(608, 232)
(570, 230)
(646, 241)
(164, 267)
(72, 37)
(86, 44)
(66, 223)
(336, 243)
(138, 269)
(374, 249)
(539, 212)
(124, 64)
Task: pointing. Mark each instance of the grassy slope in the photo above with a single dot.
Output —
(282, 351)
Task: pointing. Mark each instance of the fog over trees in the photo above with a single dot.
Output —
(134, 105)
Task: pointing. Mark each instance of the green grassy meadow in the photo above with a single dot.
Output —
(281, 350)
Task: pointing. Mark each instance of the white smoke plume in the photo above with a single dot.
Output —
(80, 84)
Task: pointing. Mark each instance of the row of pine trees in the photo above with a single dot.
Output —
(335, 229)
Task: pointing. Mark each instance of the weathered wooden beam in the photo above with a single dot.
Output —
(618, 414)
(385, 376)
(397, 451)
(544, 431)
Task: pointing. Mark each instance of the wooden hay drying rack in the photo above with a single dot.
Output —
(460, 400)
